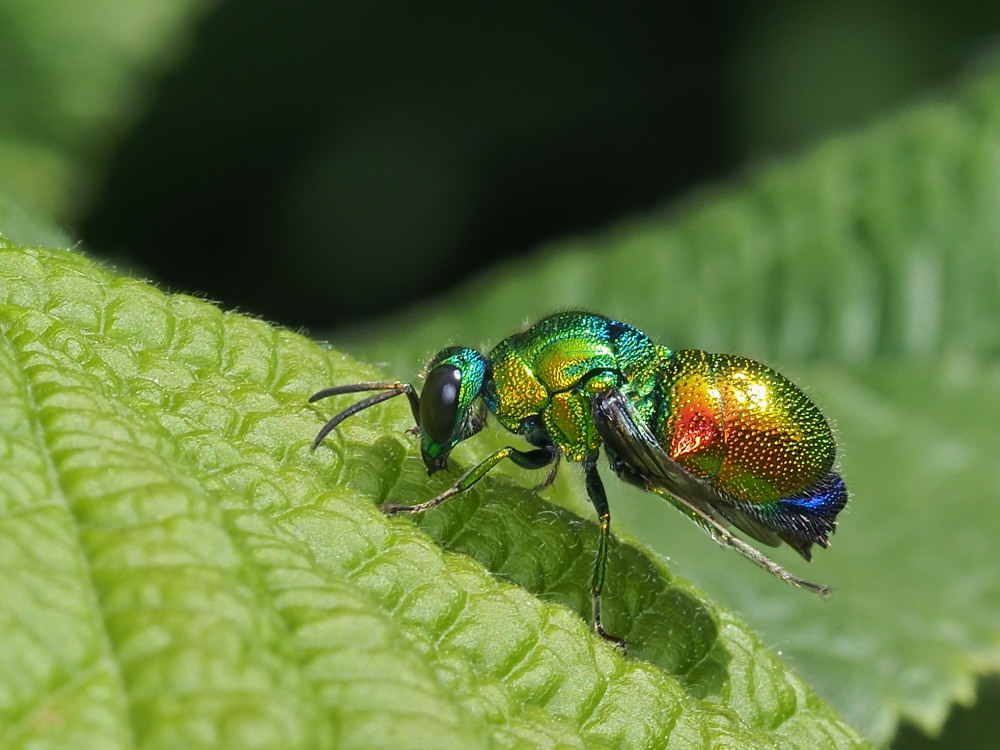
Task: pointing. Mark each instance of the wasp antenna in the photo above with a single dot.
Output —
(350, 411)
(338, 390)
(391, 390)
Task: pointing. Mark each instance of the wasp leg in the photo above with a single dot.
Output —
(595, 490)
(533, 459)
(723, 536)
(551, 476)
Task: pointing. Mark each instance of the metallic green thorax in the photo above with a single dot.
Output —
(550, 372)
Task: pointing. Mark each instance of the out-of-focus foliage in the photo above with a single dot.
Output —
(302, 143)
(72, 76)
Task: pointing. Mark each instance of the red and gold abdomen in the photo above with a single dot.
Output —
(742, 426)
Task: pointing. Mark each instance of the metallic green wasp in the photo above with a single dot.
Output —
(727, 440)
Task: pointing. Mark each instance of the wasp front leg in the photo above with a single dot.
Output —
(533, 459)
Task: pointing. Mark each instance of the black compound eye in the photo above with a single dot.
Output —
(439, 402)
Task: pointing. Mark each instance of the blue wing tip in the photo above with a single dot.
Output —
(809, 517)
(827, 497)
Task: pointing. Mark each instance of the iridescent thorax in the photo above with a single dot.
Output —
(551, 371)
(726, 439)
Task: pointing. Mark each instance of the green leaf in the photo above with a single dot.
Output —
(869, 272)
(181, 570)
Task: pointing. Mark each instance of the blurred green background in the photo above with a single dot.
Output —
(324, 164)
(320, 163)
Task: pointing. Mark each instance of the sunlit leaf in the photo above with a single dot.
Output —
(181, 570)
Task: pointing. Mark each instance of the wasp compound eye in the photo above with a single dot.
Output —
(439, 402)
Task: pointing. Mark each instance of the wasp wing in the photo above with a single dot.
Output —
(637, 457)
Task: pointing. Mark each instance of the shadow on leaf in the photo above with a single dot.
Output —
(550, 552)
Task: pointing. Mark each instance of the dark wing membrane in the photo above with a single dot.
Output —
(806, 518)
(637, 457)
